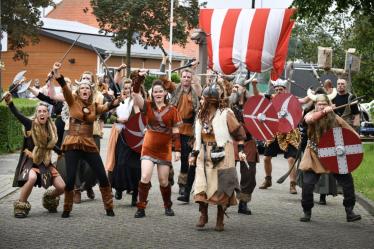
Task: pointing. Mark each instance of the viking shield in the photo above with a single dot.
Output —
(260, 118)
(340, 150)
(289, 111)
(134, 132)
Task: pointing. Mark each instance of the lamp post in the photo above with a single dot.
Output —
(171, 37)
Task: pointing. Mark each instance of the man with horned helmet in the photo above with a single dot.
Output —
(287, 143)
(238, 98)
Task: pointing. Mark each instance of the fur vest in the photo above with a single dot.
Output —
(220, 129)
(178, 93)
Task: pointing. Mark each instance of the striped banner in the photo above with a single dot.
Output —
(256, 38)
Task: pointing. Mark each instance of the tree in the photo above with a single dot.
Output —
(350, 26)
(21, 20)
(319, 9)
(363, 41)
(145, 21)
(332, 31)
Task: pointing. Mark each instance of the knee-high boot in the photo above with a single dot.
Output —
(166, 197)
(106, 194)
(203, 208)
(68, 203)
(220, 216)
(143, 190)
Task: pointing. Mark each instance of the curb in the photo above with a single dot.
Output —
(7, 193)
(365, 203)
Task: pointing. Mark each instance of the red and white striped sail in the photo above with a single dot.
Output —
(256, 38)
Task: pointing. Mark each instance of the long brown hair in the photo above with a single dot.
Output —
(316, 129)
(158, 82)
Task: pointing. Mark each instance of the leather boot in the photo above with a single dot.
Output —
(351, 216)
(118, 195)
(106, 194)
(203, 208)
(220, 216)
(267, 183)
(143, 190)
(90, 193)
(307, 216)
(243, 208)
(134, 198)
(322, 199)
(68, 204)
(293, 188)
(185, 197)
(77, 196)
(166, 197)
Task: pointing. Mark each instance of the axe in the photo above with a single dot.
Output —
(17, 80)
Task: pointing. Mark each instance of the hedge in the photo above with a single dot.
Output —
(150, 78)
(11, 130)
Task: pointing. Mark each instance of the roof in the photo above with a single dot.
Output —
(81, 11)
(90, 36)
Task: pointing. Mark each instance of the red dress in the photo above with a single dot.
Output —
(157, 144)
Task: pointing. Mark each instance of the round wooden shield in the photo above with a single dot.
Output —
(289, 111)
(340, 150)
(134, 132)
(260, 118)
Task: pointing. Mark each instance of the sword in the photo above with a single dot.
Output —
(63, 57)
(106, 67)
(183, 67)
(284, 177)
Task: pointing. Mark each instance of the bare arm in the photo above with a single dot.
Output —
(356, 120)
(117, 75)
(34, 90)
(138, 100)
(256, 92)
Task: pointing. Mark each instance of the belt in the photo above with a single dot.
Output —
(188, 120)
(85, 130)
(210, 143)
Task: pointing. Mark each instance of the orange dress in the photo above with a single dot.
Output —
(157, 144)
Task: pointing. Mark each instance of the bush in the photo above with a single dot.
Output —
(148, 81)
(11, 130)
(175, 78)
(150, 78)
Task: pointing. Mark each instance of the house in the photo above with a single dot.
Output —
(62, 26)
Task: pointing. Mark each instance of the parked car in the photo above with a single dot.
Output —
(367, 128)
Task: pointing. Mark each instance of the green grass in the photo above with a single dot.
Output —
(364, 174)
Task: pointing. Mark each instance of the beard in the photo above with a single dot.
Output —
(318, 128)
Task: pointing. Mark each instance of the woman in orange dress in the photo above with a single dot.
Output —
(162, 134)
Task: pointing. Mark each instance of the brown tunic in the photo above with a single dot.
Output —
(186, 112)
(310, 159)
(82, 137)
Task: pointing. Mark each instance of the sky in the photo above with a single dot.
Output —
(247, 3)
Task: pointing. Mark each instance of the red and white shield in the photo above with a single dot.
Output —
(260, 118)
(134, 132)
(289, 111)
(340, 150)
